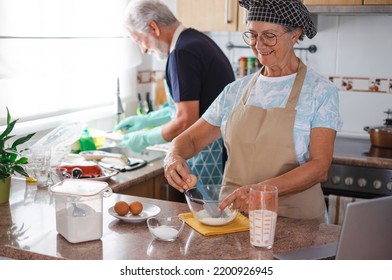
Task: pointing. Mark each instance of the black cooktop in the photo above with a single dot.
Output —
(354, 147)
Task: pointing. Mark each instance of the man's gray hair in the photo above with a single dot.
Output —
(139, 13)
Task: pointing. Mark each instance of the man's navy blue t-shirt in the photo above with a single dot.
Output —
(197, 69)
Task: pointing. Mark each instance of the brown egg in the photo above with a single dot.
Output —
(136, 207)
(193, 181)
(121, 208)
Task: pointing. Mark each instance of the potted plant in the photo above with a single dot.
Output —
(11, 159)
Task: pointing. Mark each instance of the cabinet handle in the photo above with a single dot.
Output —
(227, 10)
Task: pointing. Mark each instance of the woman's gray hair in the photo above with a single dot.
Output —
(139, 13)
(289, 28)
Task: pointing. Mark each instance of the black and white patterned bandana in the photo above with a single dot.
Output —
(287, 12)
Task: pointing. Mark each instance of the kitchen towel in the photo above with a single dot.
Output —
(240, 223)
(337, 208)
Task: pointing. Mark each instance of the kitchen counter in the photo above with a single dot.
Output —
(28, 231)
(360, 152)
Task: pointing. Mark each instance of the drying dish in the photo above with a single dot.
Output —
(203, 201)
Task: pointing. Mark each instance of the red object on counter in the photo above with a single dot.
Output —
(89, 169)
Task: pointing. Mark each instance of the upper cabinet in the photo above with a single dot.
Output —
(347, 2)
(212, 15)
(353, 7)
(227, 15)
(332, 2)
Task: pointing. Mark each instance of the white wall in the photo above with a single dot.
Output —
(355, 46)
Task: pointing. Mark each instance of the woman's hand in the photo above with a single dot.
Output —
(176, 172)
(239, 198)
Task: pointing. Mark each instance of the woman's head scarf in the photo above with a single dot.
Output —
(286, 12)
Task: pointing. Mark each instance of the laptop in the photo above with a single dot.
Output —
(366, 235)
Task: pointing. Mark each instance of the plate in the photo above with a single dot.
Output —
(106, 176)
(149, 210)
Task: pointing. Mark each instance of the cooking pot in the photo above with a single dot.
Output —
(381, 136)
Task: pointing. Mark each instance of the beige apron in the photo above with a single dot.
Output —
(260, 145)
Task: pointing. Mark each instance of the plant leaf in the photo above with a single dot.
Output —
(22, 140)
(22, 160)
(8, 129)
(20, 170)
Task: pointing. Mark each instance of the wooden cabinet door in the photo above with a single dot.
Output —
(332, 2)
(208, 15)
(377, 2)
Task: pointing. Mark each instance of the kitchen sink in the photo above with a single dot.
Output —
(147, 155)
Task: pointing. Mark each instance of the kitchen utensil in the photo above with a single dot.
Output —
(263, 213)
(133, 164)
(99, 154)
(141, 110)
(381, 136)
(205, 210)
(165, 228)
(149, 103)
(77, 211)
(210, 205)
(72, 196)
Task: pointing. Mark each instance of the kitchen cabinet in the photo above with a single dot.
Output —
(349, 7)
(212, 15)
(377, 2)
(332, 2)
(150, 188)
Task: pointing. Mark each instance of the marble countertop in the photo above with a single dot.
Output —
(360, 152)
(28, 231)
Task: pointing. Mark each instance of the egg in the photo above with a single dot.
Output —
(121, 208)
(136, 207)
(193, 181)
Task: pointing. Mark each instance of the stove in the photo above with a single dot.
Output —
(362, 171)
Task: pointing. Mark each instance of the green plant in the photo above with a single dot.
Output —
(11, 159)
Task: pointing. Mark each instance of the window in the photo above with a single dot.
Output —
(60, 56)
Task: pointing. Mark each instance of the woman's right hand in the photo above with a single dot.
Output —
(176, 172)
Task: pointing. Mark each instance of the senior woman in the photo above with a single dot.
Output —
(279, 125)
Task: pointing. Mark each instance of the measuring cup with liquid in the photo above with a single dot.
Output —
(263, 212)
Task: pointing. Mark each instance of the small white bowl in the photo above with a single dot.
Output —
(165, 228)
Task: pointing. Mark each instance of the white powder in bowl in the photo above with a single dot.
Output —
(204, 217)
(164, 232)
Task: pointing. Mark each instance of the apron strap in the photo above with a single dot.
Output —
(298, 82)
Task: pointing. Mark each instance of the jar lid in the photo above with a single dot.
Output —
(80, 187)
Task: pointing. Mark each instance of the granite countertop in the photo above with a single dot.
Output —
(28, 231)
(360, 152)
(372, 162)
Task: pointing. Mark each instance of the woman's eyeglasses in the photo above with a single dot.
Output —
(269, 39)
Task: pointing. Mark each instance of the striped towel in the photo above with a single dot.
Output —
(337, 207)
